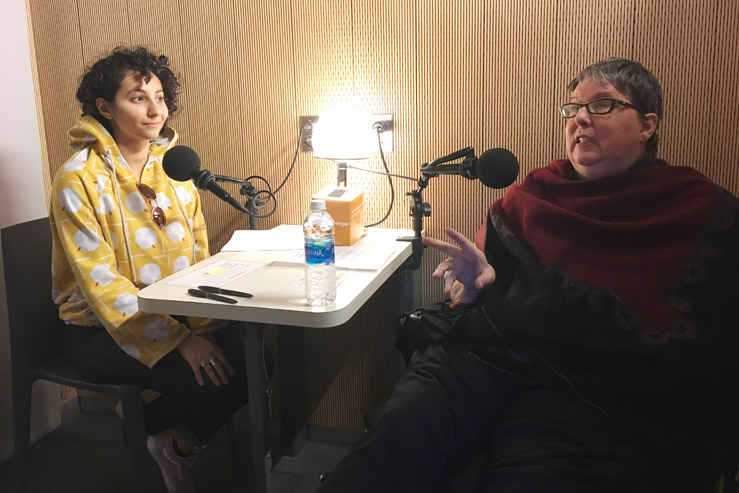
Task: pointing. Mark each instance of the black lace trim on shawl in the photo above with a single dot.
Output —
(709, 243)
(710, 248)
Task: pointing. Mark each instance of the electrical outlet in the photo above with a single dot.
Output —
(385, 123)
(306, 141)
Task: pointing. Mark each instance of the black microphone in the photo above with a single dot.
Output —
(496, 168)
(182, 163)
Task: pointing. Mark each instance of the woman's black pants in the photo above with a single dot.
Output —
(449, 407)
(182, 402)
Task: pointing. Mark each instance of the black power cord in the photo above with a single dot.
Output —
(379, 128)
(295, 157)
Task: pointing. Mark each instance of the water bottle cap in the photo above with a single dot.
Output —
(317, 205)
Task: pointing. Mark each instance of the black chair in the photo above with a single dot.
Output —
(37, 349)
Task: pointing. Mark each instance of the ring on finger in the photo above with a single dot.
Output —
(213, 361)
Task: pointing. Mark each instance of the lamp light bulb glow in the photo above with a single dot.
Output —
(343, 135)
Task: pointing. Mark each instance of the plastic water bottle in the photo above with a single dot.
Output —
(320, 266)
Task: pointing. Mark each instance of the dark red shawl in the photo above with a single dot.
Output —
(635, 233)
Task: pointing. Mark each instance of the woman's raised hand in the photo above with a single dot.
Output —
(465, 271)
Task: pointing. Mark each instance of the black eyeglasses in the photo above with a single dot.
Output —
(157, 214)
(600, 106)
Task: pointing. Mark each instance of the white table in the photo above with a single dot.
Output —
(275, 303)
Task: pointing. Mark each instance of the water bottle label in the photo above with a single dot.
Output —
(319, 251)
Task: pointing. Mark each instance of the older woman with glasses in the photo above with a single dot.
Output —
(592, 326)
(119, 224)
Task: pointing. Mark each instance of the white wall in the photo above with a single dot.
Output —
(22, 197)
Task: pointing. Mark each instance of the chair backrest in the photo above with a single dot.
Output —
(36, 333)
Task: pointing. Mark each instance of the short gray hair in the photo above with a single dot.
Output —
(631, 78)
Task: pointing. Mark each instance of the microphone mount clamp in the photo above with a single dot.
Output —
(255, 199)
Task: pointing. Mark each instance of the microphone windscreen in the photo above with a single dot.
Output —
(180, 162)
(497, 168)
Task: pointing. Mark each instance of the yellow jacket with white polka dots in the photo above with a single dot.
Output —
(106, 245)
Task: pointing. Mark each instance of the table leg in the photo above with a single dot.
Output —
(293, 391)
(257, 378)
(410, 289)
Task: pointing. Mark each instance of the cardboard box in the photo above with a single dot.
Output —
(346, 207)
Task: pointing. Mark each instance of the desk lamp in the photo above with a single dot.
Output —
(342, 136)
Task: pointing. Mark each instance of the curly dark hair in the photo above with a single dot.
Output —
(104, 77)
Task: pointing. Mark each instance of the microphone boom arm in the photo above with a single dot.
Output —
(206, 178)
(250, 208)
(228, 179)
(466, 153)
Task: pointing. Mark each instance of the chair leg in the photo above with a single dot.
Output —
(231, 437)
(135, 435)
(22, 432)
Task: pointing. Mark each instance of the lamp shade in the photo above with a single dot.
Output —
(343, 135)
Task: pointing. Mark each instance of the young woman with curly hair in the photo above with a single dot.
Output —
(119, 224)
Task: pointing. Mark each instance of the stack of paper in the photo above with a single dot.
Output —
(285, 237)
(289, 238)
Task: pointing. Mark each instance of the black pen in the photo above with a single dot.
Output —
(230, 292)
(211, 296)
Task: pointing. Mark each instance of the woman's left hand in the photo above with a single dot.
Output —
(466, 271)
(204, 356)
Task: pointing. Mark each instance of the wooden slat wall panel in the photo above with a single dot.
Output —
(515, 110)
(322, 37)
(102, 24)
(267, 88)
(586, 32)
(58, 67)
(673, 40)
(519, 89)
(162, 33)
(486, 73)
(450, 103)
(210, 89)
(722, 109)
(352, 368)
(385, 41)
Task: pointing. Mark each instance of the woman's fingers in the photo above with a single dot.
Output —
(197, 371)
(218, 368)
(445, 266)
(224, 362)
(465, 245)
(219, 372)
(486, 277)
(449, 279)
(458, 237)
(442, 246)
(211, 370)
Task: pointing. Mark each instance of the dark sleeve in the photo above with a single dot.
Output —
(716, 309)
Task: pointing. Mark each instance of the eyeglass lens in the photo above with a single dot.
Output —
(595, 107)
(157, 214)
(601, 106)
